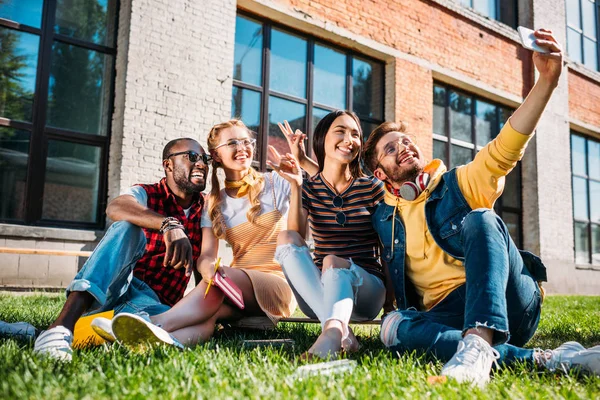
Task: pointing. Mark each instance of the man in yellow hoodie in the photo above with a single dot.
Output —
(463, 290)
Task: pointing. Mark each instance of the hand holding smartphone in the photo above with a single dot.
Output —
(528, 40)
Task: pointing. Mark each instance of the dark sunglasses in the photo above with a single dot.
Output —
(340, 217)
(193, 156)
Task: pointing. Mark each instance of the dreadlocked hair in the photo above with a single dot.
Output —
(214, 198)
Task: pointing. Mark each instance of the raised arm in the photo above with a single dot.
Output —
(296, 143)
(549, 66)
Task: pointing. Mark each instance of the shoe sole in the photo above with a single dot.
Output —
(137, 334)
(108, 336)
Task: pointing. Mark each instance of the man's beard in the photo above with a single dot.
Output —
(184, 184)
(398, 176)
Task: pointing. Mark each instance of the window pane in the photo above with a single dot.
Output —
(367, 128)
(71, 182)
(460, 155)
(574, 45)
(573, 15)
(514, 228)
(595, 201)
(439, 151)
(588, 9)
(367, 88)
(248, 51)
(460, 117)
(318, 114)
(596, 244)
(590, 54)
(439, 110)
(593, 159)
(580, 200)
(582, 248)
(485, 117)
(511, 197)
(329, 77)
(18, 64)
(280, 110)
(79, 90)
(14, 153)
(486, 7)
(245, 105)
(288, 64)
(578, 155)
(90, 20)
(27, 12)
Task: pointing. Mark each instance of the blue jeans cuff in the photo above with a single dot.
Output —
(500, 336)
(84, 285)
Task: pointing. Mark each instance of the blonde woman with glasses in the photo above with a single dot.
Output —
(248, 213)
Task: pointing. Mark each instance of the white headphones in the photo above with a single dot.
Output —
(411, 190)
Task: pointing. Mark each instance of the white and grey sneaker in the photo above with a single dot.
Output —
(136, 332)
(472, 361)
(571, 356)
(103, 328)
(55, 343)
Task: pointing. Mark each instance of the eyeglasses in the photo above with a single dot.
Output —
(340, 216)
(192, 156)
(393, 148)
(235, 144)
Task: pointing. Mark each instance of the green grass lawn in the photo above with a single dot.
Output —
(225, 369)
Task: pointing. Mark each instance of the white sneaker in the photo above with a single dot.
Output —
(55, 343)
(103, 327)
(572, 355)
(472, 361)
(136, 333)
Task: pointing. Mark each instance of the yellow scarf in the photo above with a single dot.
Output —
(243, 185)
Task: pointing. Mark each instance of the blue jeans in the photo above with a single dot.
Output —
(108, 274)
(499, 294)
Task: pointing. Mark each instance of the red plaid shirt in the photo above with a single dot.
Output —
(168, 283)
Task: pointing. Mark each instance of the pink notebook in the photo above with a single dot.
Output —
(230, 289)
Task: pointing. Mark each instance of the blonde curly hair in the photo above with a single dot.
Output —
(214, 198)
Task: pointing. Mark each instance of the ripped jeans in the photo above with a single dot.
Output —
(499, 293)
(342, 294)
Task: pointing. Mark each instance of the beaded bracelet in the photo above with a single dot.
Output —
(170, 223)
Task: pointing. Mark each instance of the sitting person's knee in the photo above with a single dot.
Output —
(290, 237)
(481, 219)
(332, 261)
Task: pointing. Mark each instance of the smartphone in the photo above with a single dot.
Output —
(528, 40)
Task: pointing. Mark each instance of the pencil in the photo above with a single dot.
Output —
(211, 281)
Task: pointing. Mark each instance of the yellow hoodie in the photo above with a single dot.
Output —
(434, 273)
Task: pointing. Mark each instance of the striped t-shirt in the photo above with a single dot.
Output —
(356, 238)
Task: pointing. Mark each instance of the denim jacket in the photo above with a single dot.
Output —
(445, 210)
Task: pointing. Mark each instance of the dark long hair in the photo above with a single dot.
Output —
(319, 141)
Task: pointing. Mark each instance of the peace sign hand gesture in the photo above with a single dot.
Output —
(295, 140)
(286, 166)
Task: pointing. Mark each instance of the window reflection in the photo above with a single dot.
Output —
(79, 89)
(439, 110)
(72, 182)
(288, 64)
(460, 117)
(14, 154)
(18, 64)
(90, 20)
(27, 12)
(280, 110)
(245, 105)
(485, 117)
(329, 77)
(367, 88)
(248, 51)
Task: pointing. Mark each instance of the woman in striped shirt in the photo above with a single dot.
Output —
(345, 281)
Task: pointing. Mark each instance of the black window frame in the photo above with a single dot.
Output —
(587, 178)
(266, 92)
(499, 206)
(41, 133)
(582, 35)
(502, 11)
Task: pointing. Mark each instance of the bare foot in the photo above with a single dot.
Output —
(350, 344)
(328, 344)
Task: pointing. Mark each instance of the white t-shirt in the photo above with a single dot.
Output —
(141, 197)
(234, 209)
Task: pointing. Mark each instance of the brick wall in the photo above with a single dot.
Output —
(584, 99)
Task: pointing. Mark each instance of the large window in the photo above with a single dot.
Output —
(582, 32)
(462, 125)
(281, 75)
(585, 167)
(56, 79)
(501, 10)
